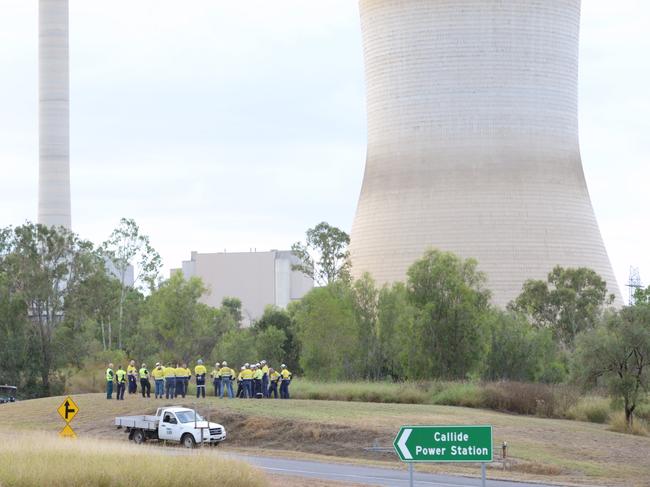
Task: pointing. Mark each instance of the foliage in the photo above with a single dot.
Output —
(236, 347)
(517, 351)
(43, 267)
(232, 306)
(617, 352)
(126, 247)
(569, 302)
(281, 320)
(328, 333)
(451, 303)
(177, 325)
(324, 256)
(642, 296)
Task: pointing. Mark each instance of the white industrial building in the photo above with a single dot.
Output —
(258, 279)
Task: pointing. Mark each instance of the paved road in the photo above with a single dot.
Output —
(377, 476)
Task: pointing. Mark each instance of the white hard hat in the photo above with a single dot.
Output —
(217, 363)
(246, 364)
(224, 363)
(199, 361)
(263, 362)
(243, 368)
(283, 366)
(257, 364)
(157, 364)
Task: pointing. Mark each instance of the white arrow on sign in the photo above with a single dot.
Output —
(401, 444)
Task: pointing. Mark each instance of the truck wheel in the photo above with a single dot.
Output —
(188, 441)
(139, 437)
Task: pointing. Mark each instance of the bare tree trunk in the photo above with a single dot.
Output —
(110, 335)
(101, 324)
(121, 317)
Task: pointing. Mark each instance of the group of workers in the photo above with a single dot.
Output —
(255, 380)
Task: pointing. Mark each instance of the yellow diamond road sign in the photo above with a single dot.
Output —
(68, 409)
(67, 432)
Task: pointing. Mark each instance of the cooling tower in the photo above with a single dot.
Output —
(473, 146)
(54, 114)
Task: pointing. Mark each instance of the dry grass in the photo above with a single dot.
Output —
(619, 424)
(36, 460)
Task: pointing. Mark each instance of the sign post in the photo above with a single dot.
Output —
(68, 410)
(415, 444)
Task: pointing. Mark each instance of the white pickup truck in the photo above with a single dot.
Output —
(177, 424)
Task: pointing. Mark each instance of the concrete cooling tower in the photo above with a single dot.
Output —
(473, 141)
(54, 114)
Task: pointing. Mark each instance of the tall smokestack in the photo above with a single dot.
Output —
(54, 114)
(473, 141)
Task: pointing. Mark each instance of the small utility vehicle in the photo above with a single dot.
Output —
(176, 424)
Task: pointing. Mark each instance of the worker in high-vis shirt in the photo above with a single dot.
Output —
(131, 375)
(285, 376)
(159, 380)
(257, 381)
(200, 371)
(247, 380)
(120, 376)
(274, 378)
(227, 375)
(216, 379)
(110, 377)
(188, 377)
(181, 372)
(145, 385)
(170, 381)
(265, 378)
(240, 382)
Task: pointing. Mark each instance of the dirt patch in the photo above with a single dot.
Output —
(304, 436)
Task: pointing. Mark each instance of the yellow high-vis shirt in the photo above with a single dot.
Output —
(188, 373)
(169, 372)
(200, 370)
(240, 376)
(274, 376)
(247, 374)
(131, 370)
(265, 369)
(285, 374)
(180, 372)
(158, 373)
(258, 374)
(226, 372)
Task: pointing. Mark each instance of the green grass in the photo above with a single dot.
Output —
(593, 409)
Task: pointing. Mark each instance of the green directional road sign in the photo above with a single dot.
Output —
(444, 444)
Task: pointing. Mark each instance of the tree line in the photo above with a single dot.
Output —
(66, 305)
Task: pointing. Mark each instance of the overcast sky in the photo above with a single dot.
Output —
(237, 125)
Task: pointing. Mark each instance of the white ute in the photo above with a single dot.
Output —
(177, 424)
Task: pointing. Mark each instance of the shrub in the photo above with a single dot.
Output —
(465, 394)
(520, 397)
(592, 409)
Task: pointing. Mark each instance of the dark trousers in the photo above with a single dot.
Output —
(170, 387)
(133, 385)
(120, 391)
(145, 386)
(109, 389)
(265, 385)
(273, 389)
(240, 388)
(284, 389)
(200, 385)
(180, 387)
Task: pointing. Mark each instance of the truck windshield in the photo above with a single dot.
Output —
(187, 416)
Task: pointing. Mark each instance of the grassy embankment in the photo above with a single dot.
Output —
(548, 401)
(551, 450)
